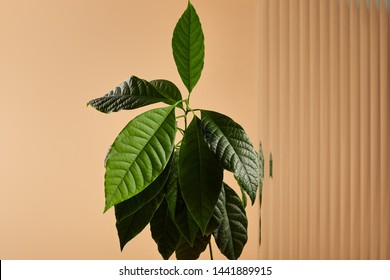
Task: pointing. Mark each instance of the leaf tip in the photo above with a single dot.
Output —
(106, 208)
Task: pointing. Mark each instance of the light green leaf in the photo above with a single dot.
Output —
(243, 198)
(188, 47)
(200, 175)
(233, 149)
(164, 231)
(231, 235)
(185, 251)
(135, 93)
(129, 226)
(133, 204)
(139, 154)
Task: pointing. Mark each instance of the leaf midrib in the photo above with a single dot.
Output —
(189, 44)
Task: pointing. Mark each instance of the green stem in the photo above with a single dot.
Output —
(185, 121)
(188, 109)
(181, 130)
(211, 251)
(177, 146)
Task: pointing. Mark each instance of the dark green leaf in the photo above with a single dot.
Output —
(233, 148)
(132, 94)
(188, 47)
(172, 184)
(164, 231)
(261, 161)
(200, 175)
(261, 182)
(270, 165)
(261, 168)
(129, 226)
(187, 252)
(176, 205)
(215, 221)
(231, 235)
(169, 90)
(139, 154)
(180, 214)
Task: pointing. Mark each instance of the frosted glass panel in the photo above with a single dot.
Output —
(324, 114)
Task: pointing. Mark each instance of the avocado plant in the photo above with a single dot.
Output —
(175, 182)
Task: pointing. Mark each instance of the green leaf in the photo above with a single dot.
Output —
(231, 235)
(172, 184)
(233, 149)
(185, 251)
(164, 231)
(215, 221)
(261, 168)
(129, 226)
(132, 205)
(184, 221)
(169, 90)
(200, 175)
(261, 182)
(176, 205)
(243, 198)
(135, 93)
(270, 165)
(188, 47)
(139, 154)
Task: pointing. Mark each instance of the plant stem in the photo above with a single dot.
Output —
(187, 110)
(211, 251)
(185, 121)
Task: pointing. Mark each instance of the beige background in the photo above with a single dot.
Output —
(57, 55)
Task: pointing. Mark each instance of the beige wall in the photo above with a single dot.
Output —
(57, 55)
(324, 113)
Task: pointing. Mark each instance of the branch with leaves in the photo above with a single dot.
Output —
(178, 187)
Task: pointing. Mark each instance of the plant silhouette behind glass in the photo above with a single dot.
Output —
(178, 187)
